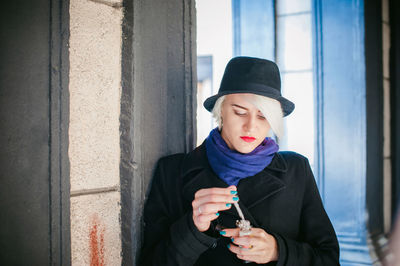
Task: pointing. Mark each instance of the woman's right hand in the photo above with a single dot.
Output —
(208, 202)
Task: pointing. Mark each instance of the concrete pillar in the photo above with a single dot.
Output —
(158, 101)
(94, 139)
(387, 158)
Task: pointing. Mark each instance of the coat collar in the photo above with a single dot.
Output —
(197, 174)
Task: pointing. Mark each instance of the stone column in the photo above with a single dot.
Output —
(94, 149)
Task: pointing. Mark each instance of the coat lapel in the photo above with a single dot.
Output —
(197, 174)
(197, 180)
(254, 190)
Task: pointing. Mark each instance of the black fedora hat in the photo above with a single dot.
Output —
(251, 75)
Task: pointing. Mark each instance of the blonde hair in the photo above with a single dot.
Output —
(269, 107)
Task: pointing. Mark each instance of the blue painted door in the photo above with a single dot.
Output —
(340, 104)
(342, 123)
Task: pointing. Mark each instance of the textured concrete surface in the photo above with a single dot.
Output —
(94, 139)
(387, 159)
(112, 3)
(386, 49)
(386, 119)
(95, 229)
(95, 75)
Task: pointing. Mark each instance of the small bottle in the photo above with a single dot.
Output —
(245, 227)
(245, 230)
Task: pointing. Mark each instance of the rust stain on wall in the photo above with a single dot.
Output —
(96, 238)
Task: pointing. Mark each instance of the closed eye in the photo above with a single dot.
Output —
(240, 113)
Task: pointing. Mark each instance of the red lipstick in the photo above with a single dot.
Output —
(248, 139)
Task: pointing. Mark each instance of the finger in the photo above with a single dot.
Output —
(252, 258)
(231, 232)
(241, 250)
(231, 190)
(255, 243)
(258, 232)
(209, 208)
(205, 218)
(258, 238)
(214, 198)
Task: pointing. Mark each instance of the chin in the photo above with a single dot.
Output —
(247, 149)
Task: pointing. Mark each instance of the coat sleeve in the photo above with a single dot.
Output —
(167, 240)
(317, 244)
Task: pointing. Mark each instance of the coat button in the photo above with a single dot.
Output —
(214, 245)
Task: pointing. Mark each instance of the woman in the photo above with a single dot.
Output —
(188, 216)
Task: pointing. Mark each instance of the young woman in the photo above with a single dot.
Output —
(189, 218)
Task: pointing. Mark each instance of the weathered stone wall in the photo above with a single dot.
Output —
(387, 158)
(94, 150)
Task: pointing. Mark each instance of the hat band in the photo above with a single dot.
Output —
(249, 87)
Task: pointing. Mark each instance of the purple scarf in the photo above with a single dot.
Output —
(232, 166)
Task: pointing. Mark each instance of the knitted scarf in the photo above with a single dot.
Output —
(232, 166)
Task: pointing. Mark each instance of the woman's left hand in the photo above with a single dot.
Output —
(258, 247)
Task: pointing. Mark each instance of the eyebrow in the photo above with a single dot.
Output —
(235, 105)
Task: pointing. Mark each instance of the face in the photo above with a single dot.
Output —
(243, 126)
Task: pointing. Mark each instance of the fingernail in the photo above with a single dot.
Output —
(228, 205)
(229, 245)
(222, 233)
(232, 239)
(217, 214)
(233, 192)
(235, 198)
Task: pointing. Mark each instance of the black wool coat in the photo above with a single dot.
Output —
(283, 199)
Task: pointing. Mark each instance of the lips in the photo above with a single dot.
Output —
(248, 139)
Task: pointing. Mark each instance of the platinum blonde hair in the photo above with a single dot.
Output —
(270, 108)
(216, 111)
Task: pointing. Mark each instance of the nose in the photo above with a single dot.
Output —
(250, 123)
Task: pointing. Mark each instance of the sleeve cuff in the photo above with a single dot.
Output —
(282, 249)
(188, 239)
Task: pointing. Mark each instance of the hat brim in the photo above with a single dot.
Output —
(287, 106)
